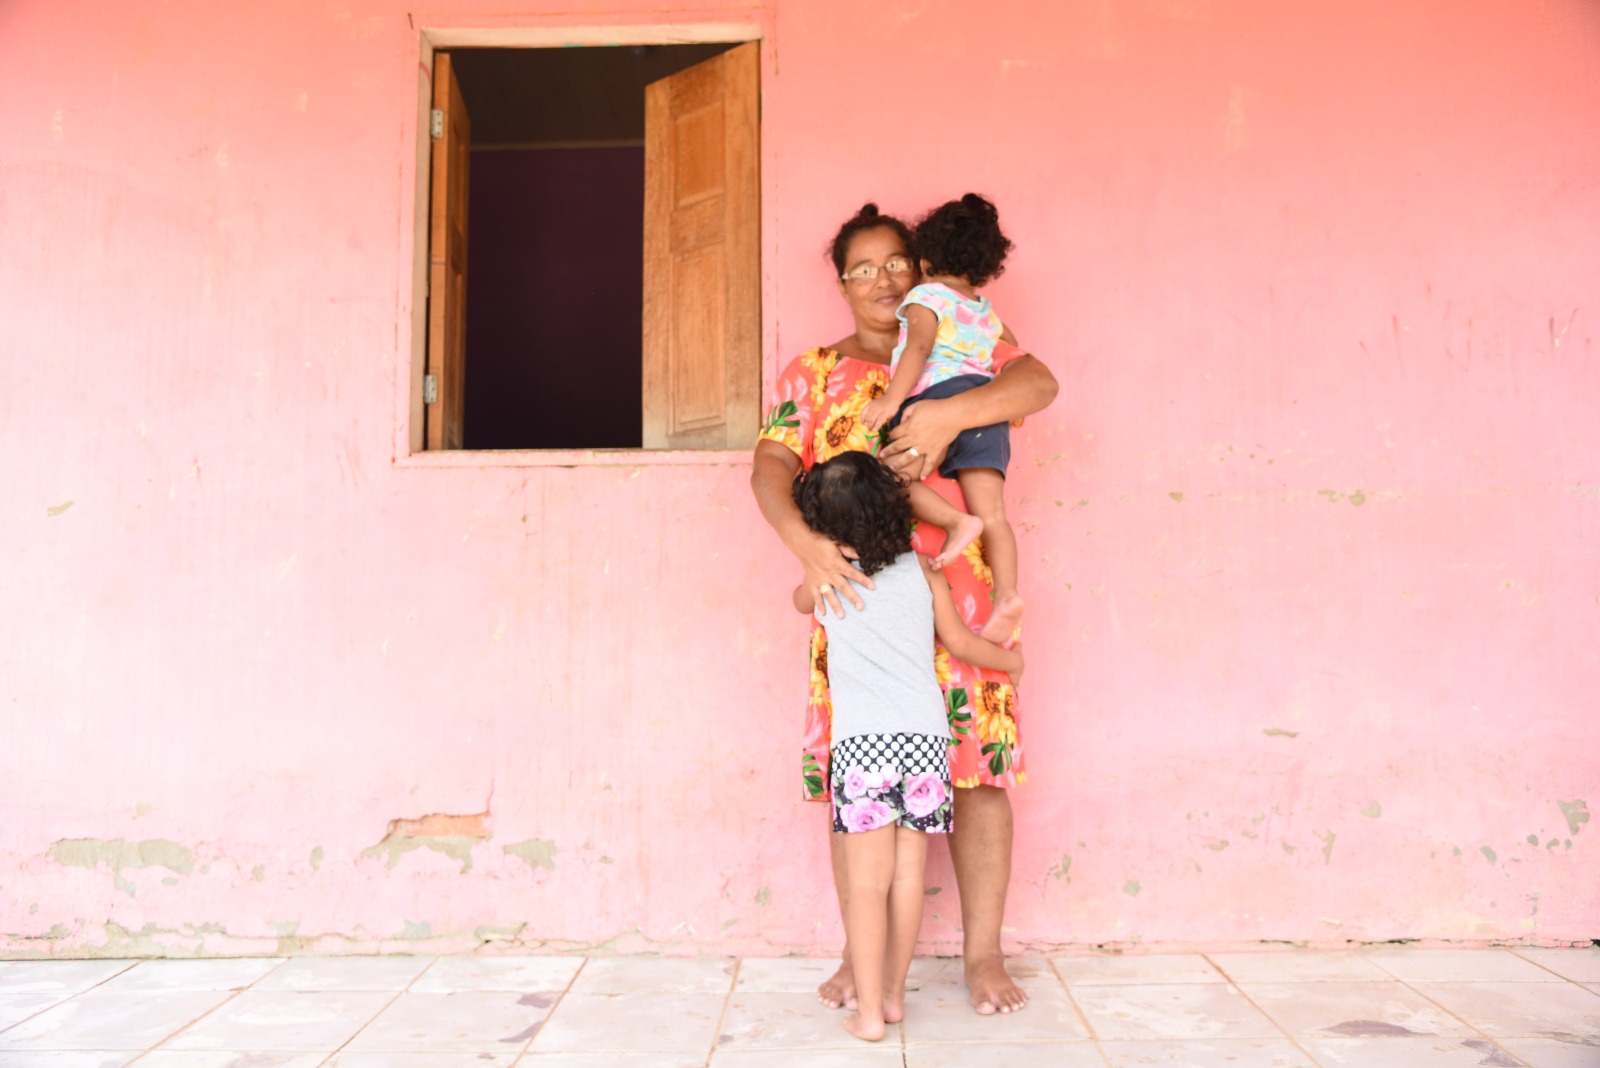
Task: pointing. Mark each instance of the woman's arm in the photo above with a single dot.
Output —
(1023, 386)
(964, 645)
(771, 476)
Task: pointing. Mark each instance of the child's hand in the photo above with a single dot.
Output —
(875, 414)
(1016, 676)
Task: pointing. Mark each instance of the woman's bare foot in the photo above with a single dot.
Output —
(1003, 621)
(894, 1005)
(992, 989)
(866, 1030)
(839, 989)
(956, 538)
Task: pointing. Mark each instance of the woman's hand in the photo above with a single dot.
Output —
(1023, 386)
(1016, 675)
(829, 575)
(924, 433)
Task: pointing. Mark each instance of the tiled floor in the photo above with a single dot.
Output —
(1375, 1008)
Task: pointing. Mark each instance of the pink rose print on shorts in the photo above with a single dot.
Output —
(880, 779)
(924, 793)
(866, 816)
(855, 783)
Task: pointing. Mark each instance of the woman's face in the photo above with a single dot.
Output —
(873, 300)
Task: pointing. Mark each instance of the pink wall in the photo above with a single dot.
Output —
(1311, 536)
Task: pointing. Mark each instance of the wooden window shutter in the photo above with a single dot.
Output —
(702, 255)
(445, 418)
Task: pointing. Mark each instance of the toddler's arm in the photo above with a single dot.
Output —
(964, 645)
(922, 326)
(804, 600)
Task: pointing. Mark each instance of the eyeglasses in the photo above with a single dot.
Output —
(866, 272)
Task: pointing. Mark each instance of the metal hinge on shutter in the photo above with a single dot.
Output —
(430, 389)
(436, 122)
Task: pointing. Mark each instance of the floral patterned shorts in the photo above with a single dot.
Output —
(879, 779)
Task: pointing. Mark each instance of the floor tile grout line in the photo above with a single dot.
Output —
(174, 1034)
(237, 992)
(1476, 1031)
(386, 1007)
(1536, 964)
(1083, 1017)
(527, 1047)
(76, 993)
(1292, 1039)
(42, 1009)
(1077, 1009)
(722, 1017)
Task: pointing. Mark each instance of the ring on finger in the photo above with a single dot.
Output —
(824, 589)
(913, 451)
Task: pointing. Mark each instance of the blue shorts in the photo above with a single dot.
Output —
(984, 446)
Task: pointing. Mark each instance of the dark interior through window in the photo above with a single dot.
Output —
(555, 242)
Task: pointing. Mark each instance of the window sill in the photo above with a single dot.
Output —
(579, 458)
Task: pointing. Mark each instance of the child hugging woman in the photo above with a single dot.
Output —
(889, 770)
(947, 338)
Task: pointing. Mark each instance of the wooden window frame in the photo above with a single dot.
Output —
(410, 444)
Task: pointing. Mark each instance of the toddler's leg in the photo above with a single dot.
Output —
(959, 528)
(984, 489)
(870, 867)
(905, 917)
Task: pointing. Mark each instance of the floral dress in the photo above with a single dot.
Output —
(815, 413)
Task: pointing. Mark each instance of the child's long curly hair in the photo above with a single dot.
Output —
(963, 238)
(857, 501)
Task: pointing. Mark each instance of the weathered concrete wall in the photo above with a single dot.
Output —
(1310, 537)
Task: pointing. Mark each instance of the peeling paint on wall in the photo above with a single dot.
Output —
(118, 854)
(453, 836)
(536, 852)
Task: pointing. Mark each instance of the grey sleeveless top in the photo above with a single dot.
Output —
(880, 661)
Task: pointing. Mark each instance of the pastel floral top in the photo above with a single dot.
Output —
(964, 344)
(815, 412)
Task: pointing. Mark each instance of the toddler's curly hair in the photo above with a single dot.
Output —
(857, 501)
(963, 238)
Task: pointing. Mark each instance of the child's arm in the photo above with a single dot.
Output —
(922, 326)
(804, 600)
(964, 645)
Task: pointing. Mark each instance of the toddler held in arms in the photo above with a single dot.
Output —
(889, 769)
(947, 339)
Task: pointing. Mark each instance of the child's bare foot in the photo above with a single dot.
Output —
(894, 1006)
(866, 1030)
(957, 537)
(839, 989)
(1003, 621)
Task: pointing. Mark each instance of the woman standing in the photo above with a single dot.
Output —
(815, 415)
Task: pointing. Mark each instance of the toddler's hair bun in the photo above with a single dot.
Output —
(979, 204)
(869, 210)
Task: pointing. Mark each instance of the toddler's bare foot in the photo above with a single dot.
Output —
(866, 1030)
(839, 989)
(1003, 621)
(957, 537)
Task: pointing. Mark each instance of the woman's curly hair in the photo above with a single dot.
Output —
(963, 239)
(868, 218)
(857, 501)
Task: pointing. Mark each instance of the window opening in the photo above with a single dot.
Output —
(537, 334)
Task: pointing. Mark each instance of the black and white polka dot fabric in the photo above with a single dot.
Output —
(884, 779)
